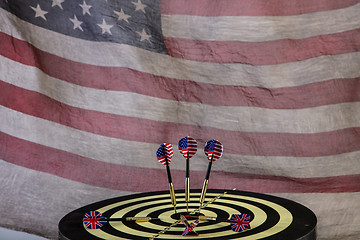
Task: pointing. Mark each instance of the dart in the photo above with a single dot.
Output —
(189, 227)
(213, 150)
(164, 155)
(95, 220)
(238, 222)
(188, 148)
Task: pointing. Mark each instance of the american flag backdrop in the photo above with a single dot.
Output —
(90, 88)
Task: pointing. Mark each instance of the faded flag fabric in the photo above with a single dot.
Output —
(90, 88)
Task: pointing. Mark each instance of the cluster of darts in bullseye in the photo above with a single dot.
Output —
(188, 147)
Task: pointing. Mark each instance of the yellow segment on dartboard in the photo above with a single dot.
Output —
(259, 217)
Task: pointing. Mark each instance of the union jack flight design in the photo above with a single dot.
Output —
(187, 145)
(213, 149)
(94, 220)
(165, 151)
(239, 223)
(189, 227)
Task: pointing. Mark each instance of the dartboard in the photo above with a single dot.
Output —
(271, 217)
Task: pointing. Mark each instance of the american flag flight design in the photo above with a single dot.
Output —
(164, 152)
(187, 145)
(94, 220)
(239, 223)
(213, 149)
(190, 228)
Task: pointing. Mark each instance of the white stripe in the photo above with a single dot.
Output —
(112, 150)
(117, 55)
(247, 119)
(260, 28)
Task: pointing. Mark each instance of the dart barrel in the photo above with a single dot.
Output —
(203, 191)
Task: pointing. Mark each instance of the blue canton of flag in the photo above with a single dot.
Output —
(183, 144)
(213, 149)
(187, 145)
(164, 152)
(210, 145)
(239, 223)
(136, 23)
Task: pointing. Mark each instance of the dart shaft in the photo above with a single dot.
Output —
(187, 165)
(209, 170)
(168, 171)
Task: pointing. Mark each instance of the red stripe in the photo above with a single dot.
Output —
(250, 7)
(122, 79)
(264, 53)
(135, 129)
(89, 171)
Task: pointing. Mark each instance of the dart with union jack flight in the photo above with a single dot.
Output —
(188, 148)
(238, 222)
(213, 151)
(164, 155)
(189, 226)
(95, 220)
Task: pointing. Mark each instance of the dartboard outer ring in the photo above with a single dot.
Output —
(271, 217)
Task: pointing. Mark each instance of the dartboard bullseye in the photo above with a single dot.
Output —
(270, 217)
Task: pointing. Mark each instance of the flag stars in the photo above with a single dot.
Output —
(144, 36)
(57, 3)
(139, 6)
(122, 16)
(39, 12)
(77, 23)
(105, 27)
(85, 8)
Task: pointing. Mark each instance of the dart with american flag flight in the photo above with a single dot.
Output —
(164, 155)
(188, 148)
(213, 151)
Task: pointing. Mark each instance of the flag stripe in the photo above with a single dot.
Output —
(106, 149)
(331, 91)
(120, 177)
(272, 76)
(250, 7)
(264, 53)
(241, 28)
(308, 120)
